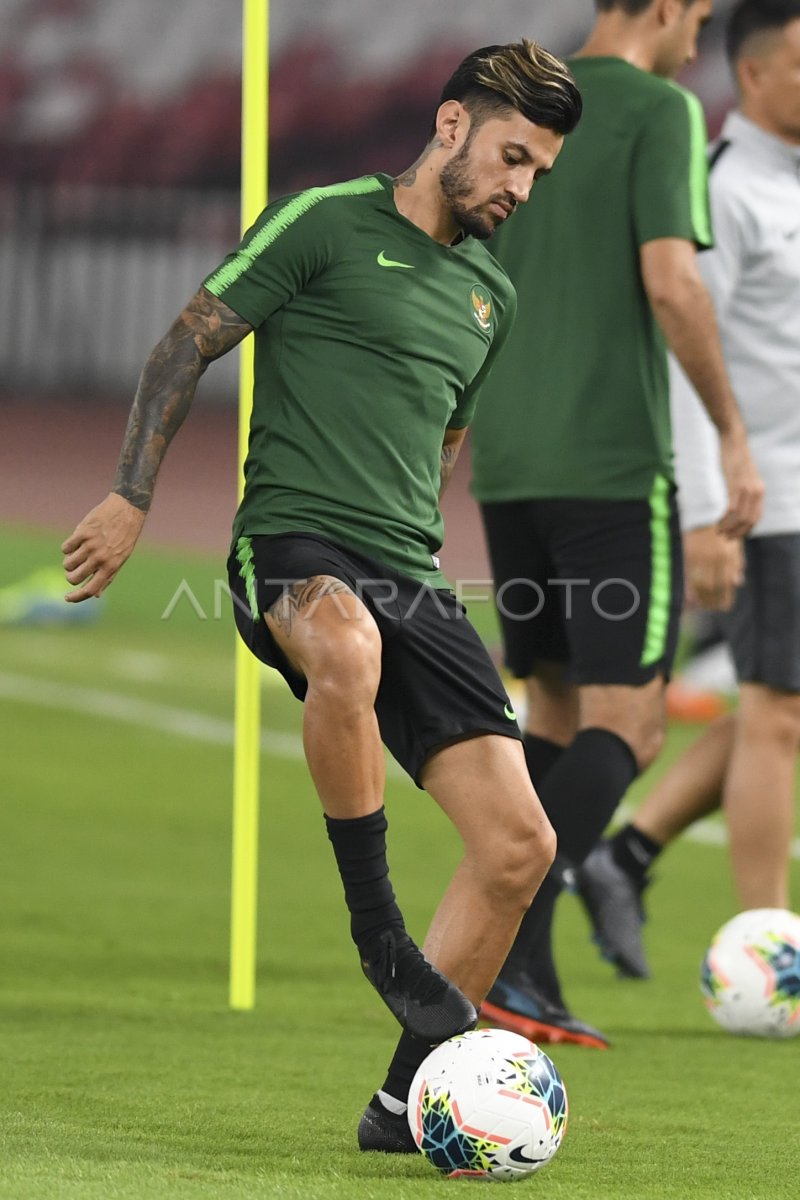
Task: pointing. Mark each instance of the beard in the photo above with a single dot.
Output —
(457, 184)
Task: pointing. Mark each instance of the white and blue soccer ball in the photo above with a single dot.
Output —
(750, 977)
(488, 1104)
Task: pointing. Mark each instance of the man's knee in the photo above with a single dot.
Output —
(645, 739)
(329, 636)
(637, 715)
(347, 664)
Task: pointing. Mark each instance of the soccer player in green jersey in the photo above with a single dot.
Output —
(745, 762)
(377, 312)
(572, 450)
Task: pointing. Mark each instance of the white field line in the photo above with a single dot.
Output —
(163, 718)
(183, 722)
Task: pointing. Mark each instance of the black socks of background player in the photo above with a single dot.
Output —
(540, 755)
(360, 848)
(580, 787)
(634, 852)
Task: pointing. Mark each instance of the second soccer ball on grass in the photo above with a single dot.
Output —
(750, 976)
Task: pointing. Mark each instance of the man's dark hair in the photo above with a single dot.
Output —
(751, 17)
(520, 75)
(631, 7)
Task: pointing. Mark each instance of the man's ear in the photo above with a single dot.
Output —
(667, 10)
(748, 74)
(450, 120)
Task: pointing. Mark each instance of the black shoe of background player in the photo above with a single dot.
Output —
(613, 900)
(423, 1001)
(382, 1130)
(515, 1003)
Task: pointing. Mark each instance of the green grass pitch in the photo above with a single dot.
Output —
(124, 1074)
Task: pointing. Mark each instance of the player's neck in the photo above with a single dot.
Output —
(418, 197)
(617, 36)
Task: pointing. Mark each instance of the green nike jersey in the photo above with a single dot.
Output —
(371, 339)
(578, 405)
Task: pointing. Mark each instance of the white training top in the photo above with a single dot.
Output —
(753, 275)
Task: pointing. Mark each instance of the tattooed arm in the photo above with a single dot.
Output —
(105, 538)
(453, 441)
(205, 330)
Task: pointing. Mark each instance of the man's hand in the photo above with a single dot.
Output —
(101, 543)
(714, 566)
(744, 484)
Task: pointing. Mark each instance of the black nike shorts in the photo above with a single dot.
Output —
(593, 584)
(438, 683)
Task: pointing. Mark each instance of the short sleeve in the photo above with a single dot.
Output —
(468, 401)
(293, 240)
(721, 266)
(669, 186)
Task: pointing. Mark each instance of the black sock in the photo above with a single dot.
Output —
(532, 952)
(540, 755)
(408, 1056)
(579, 794)
(634, 851)
(360, 848)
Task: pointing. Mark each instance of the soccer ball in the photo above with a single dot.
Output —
(750, 977)
(488, 1104)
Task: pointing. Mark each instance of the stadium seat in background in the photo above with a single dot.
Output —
(114, 91)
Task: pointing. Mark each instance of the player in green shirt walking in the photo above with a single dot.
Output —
(572, 450)
(377, 314)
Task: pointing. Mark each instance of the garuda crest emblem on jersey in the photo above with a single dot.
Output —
(481, 309)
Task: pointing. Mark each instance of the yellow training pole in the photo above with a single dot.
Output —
(244, 873)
